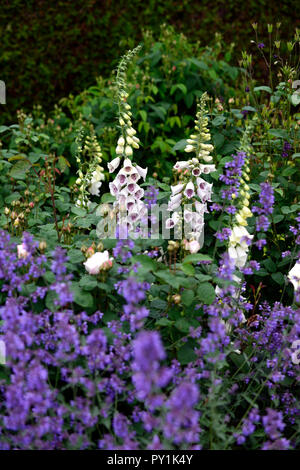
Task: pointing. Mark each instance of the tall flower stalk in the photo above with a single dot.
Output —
(192, 189)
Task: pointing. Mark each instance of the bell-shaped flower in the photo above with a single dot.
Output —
(177, 189)
(174, 202)
(238, 255)
(189, 191)
(142, 171)
(113, 165)
(181, 165)
(206, 169)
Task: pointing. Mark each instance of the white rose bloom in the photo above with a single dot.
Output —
(294, 276)
(194, 246)
(97, 262)
(22, 252)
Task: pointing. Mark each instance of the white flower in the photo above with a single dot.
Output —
(94, 188)
(200, 208)
(189, 148)
(177, 189)
(238, 236)
(121, 141)
(238, 255)
(207, 168)
(294, 276)
(22, 252)
(119, 150)
(127, 166)
(170, 223)
(174, 202)
(113, 165)
(128, 151)
(194, 246)
(181, 165)
(189, 190)
(98, 262)
(142, 171)
(114, 188)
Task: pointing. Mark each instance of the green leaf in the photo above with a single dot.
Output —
(75, 256)
(182, 325)
(179, 86)
(81, 297)
(270, 265)
(164, 322)
(80, 211)
(206, 293)
(88, 282)
(19, 169)
(263, 88)
(186, 353)
(180, 145)
(168, 277)
(278, 277)
(187, 297)
(295, 155)
(196, 257)
(295, 99)
(188, 269)
(146, 262)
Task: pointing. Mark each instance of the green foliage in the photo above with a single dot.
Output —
(61, 46)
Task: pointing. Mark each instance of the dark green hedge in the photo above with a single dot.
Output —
(51, 48)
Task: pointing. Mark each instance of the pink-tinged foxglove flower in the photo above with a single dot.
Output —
(189, 191)
(127, 166)
(97, 262)
(113, 165)
(114, 188)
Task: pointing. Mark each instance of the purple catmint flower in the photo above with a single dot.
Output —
(285, 150)
(182, 420)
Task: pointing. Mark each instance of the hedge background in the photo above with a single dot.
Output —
(49, 49)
